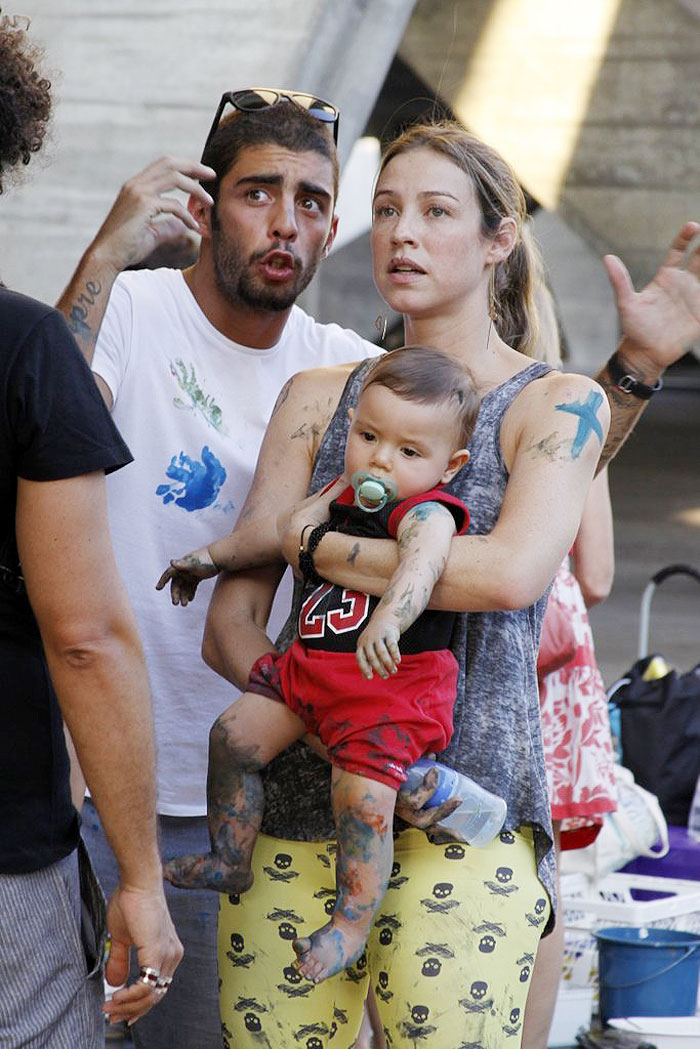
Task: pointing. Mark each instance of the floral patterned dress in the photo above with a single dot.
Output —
(576, 730)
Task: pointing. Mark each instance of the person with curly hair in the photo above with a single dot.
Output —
(25, 98)
(69, 648)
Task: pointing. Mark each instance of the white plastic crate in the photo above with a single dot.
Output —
(611, 901)
(587, 906)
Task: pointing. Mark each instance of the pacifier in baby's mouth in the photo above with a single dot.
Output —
(371, 494)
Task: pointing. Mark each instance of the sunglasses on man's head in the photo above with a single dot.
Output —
(254, 98)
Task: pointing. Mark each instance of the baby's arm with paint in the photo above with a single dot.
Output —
(250, 545)
(424, 537)
(186, 573)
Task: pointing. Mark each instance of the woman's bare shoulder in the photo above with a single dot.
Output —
(314, 394)
(307, 401)
(555, 387)
(324, 381)
(537, 412)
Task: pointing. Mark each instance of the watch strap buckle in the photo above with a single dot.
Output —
(626, 383)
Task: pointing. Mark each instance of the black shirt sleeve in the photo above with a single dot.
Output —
(60, 424)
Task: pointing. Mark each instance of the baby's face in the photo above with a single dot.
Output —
(397, 440)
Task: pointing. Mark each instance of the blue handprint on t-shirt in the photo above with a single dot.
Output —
(197, 484)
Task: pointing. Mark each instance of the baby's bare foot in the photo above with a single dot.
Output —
(328, 951)
(206, 871)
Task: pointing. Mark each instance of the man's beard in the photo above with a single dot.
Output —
(235, 280)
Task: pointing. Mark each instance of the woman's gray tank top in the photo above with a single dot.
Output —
(497, 738)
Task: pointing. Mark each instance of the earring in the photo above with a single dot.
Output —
(381, 324)
(493, 305)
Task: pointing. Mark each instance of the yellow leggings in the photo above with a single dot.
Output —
(450, 955)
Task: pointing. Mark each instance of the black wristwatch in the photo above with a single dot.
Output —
(628, 384)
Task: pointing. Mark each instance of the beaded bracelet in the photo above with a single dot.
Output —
(306, 555)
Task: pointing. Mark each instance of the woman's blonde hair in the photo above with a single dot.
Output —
(499, 196)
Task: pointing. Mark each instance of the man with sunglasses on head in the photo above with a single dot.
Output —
(191, 364)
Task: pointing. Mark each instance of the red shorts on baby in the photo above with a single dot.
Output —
(373, 728)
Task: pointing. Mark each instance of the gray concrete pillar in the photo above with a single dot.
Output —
(133, 79)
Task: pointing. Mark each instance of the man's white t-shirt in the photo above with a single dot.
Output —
(193, 407)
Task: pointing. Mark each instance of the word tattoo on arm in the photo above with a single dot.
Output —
(78, 313)
(587, 421)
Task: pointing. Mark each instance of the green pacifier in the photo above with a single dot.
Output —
(371, 494)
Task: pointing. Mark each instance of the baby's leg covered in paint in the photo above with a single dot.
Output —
(241, 742)
(264, 999)
(363, 809)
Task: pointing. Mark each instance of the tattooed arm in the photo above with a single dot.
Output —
(657, 323)
(128, 234)
(423, 543)
(551, 439)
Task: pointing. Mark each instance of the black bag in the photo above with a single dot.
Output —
(660, 721)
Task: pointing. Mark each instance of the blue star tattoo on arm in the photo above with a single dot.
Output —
(587, 423)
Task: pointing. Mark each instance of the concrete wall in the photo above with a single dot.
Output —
(596, 104)
(134, 79)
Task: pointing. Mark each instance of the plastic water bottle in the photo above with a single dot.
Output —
(480, 815)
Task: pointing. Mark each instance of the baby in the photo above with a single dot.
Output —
(407, 439)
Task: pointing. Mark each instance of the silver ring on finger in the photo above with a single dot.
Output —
(163, 984)
(148, 976)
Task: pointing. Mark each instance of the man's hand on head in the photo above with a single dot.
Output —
(145, 214)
